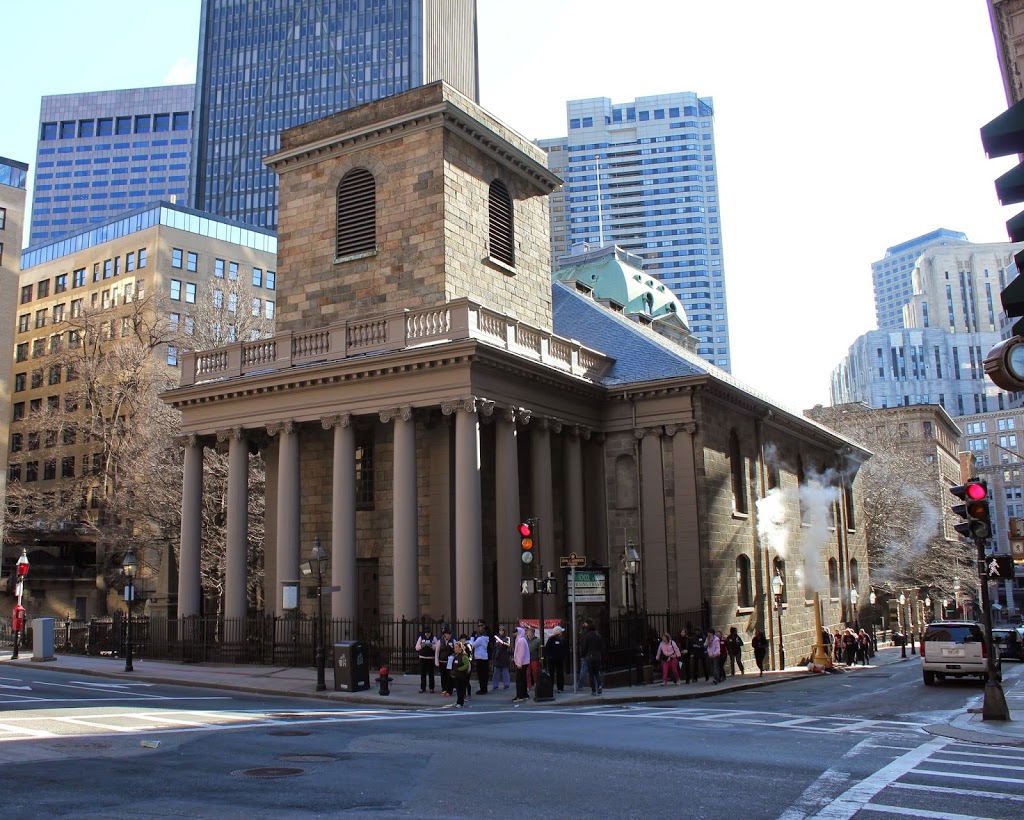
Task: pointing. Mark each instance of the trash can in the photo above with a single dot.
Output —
(351, 666)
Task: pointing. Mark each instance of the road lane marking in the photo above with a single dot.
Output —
(965, 776)
(932, 789)
(859, 795)
(938, 815)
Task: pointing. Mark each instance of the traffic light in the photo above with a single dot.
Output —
(527, 539)
(977, 521)
(1004, 137)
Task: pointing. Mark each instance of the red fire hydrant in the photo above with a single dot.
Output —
(384, 680)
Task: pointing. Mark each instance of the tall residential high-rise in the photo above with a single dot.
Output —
(267, 66)
(891, 275)
(949, 323)
(104, 152)
(642, 175)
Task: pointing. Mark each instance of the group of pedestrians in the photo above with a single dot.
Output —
(491, 657)
(849, 646)
(697, 653)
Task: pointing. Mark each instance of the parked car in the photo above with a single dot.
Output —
(1009, 643)
(953, 649)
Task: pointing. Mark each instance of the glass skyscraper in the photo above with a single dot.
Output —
(103, 152)
(642, 175)
(268, 65)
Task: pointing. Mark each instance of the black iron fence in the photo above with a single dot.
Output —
(290, 640)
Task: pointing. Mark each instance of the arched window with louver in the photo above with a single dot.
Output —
(357, 213)
(501, 233)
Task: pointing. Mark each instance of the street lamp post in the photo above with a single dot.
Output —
(914, 617)
(631, 563)
(872, 598)
(854, 598)
(18, 620)
(927, 609)
(130, 566)
(956, 597)
(903, 626)
(318, 563)
(777, 587)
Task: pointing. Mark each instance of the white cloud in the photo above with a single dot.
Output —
(182, 72)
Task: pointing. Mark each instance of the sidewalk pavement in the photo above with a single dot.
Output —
(283, 681)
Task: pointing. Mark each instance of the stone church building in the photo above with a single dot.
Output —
(430, 387)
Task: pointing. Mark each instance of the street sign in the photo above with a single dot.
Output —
(325, 590)
(588, 587)
(572, 560)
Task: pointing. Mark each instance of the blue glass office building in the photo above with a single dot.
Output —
(268, 65)
(643, 175)
(104, 152)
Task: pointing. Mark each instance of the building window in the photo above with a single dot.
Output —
(833, 578)
(21, 352)
(142, 257)
(744, 589)
(19, 382)
(364, 470)
(271, 280)
(501, 230)
(78, 278)
(161, 122)
(257, 277)
(31, 471)
(738, 474)
(193, 261)
(356, 213)
(854, 573)
(233, 271)
(16, 442)
(60, 283)
(176, 290)
(40, 319)
(14, 473)
(53, 376)
(49, 469)
(26, 294)
(218, 268)
(24, 322)
(190, 292)
(3, 218)
(129, 261)
(848, 507)
(176, 257)
(67, 467)
(172, 355)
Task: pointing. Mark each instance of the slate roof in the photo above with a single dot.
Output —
(641, 354)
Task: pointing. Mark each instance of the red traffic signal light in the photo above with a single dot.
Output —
(975, 509)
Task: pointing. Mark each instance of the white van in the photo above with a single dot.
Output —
(953, 649)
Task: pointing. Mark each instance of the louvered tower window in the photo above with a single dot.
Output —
(357, 213)
(502, 232)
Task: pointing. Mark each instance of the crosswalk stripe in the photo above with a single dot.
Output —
(965, 776)
(938, 815)
(933, 789)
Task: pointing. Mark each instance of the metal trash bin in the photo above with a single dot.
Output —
(351, 666)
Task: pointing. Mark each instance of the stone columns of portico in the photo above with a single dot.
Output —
(469, 601)
(343, 518)
(406, 544)
(541, 504)
(575, 538)
(235, 604)
(189, 586)
(510, 599)
(652, 488)
(288, 499)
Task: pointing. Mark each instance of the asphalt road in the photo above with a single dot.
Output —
(835, 746)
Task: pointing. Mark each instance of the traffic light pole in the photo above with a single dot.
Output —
(994, 706)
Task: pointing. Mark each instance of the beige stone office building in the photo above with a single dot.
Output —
(430, 387)
(171, 258)
(13, 175)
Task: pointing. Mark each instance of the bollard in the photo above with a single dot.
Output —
(384, 680)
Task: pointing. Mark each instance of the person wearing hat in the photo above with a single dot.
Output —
(501, 656)
(554, 657)
(426, 651)
(460, 673)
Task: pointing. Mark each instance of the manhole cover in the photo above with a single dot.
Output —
(289, 733)
(312, 758)
(268, 771)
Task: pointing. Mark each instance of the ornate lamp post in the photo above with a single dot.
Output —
(777, 587)
(18, 619)
(318, 563)
(927, 609)
(631, 563)
(130, 566)
(854, 597)
(903, 642)
(872, 598)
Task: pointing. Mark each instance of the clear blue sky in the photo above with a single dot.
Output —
(841, 128)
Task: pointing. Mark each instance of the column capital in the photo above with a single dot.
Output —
(404, 413)
(236, 433)
(284, 426)
(336, 420)
(580, 431)
(189, 440)
(471, 404)
(641, 432)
